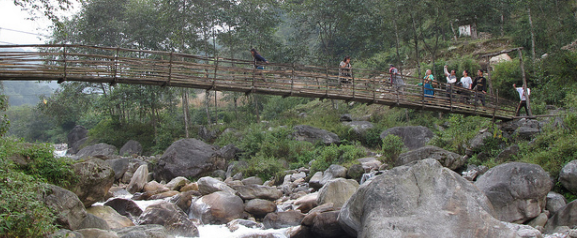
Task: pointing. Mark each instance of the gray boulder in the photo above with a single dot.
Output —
(92, 221)
(133, 165)
(249, 192)
(119, 165)
(66, 233)
(171, 217)
(131, 147)
(315, 181)
(101, 150)
(474, 171)
(479, 140)
(177, 183)
(139, 179)
(324, 225)
(334, 171)
(413, 136)
(70, 211)
(125, 207)
(568, 176)
(144, 231)
(112, 218)
(356, 172)
(280, 220)
(346, 117)
(75, 138)
(97, 233)
(424, 200)
(446, 158)
(208, 185)
(370, 163)
(359, 127)
(259, 207)
(516, 190)
(527, 128)
(507, 154)
(555, 202)
(566, 216)
(217, 208)
(337, 191)
(313, 135)
(252, 180)
(189, 158)
(96, 179)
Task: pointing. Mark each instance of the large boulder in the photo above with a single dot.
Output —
(555, 202)
(325, 225)
(101, 150)
(566, 216)
(446, 158)
(413, 136)
(171, 217)
(306, 202)
(280, 220)
(189, 158)
(112, 218)
(568, 176)
(97, 233)
(92, 221)
(334, 171)
(139, 179)
(177, 183)
(217, 208)
(119, 165)
(359, 127)
(516, 190)
(259, 207)
(69, 210)
(527, 128)
(154, 187)
(144, 231)
(254, 191)
(479, 140)
(337, 191)
(315, 181)
(125, 207)
(96, 178)
(313, 135)
(208, 185)
(75, 138)
(424, 200)
(131, 147)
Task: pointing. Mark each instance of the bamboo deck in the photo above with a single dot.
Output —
(117, 65)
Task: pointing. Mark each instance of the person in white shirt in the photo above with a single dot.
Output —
(523, 99)
(451, 80)
(466, 83)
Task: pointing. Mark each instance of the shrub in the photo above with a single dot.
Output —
(266, 168)
(392, 148)
(334, 154)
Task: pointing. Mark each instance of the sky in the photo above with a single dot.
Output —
(12, 19)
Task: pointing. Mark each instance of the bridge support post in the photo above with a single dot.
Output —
(64, 61)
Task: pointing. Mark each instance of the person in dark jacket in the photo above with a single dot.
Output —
(480, 86)
(258, 59)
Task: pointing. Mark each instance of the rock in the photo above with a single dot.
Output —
(356, 172)
(346, 117)
(236, 223)
(119, 166)
(171, 217)
(527, 128)
(252, 180)
(99, 150)
(208, 185)
(326, 225)
(66, 233)
(312, 135)
(139, 179)
(190, 187)
(566, 216)
(189, 158)
(259, 207)
(217, 208)
(568, 176)
(125, 207)
(249, 192)
(424, 200)
(144, 231)
(413, 137)
(154, 187)
(555, 202)
(232, 183)
(133, 166)
(334, 171)
(206, 134)
(360, 128)
(337, 191)
(69, 210)
(446, 158)
(92, 221)
(112, 218)
(523, 231)
(473, 171)
(507, 154)
(229, 152)
(370, 163)
(177, 183)
(297, 176)
(164, 195)
(20, 160)
(96, 179)
(97, 233)
(131, 147)
(184, 199)
(307, 202)
(315, 181)
(540, 220)
(516, 190)
(478, 141)
(280, 220)
(235, 167)
(74, 137)
(219, 174)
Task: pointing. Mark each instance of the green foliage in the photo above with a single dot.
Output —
(334, 154)
(461, 129)
(4, 122)
(392, 148)
(266, 168)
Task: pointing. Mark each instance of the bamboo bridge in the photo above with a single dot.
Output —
(117, 65)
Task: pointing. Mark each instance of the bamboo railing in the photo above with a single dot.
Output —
(118, 65)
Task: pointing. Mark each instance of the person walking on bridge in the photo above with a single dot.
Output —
(523, 99)
(466, 83)
(258, 59)
(480, 87)
(451, 80)
(345, 70)
(428, 84)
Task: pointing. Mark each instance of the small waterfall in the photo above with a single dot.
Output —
(370, 175)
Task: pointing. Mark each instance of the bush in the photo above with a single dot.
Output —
(266, 168)
(392, 148)
(334, 154)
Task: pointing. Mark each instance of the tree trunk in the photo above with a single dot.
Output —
(256, 108)
(532, 33)
(454, 32)
(397, 45)
(502, 26)
(416, 44)
(207, 102)
(185, 111)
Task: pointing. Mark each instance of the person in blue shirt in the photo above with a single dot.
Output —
(428, 80)
(258, 59)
